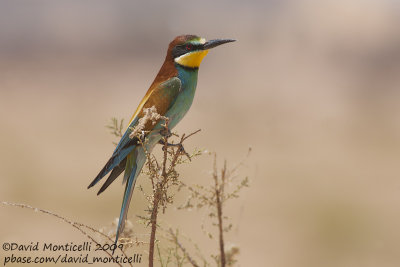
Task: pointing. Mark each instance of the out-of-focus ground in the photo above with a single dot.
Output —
(312, 86)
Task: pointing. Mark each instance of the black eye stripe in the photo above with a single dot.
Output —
(182, 49)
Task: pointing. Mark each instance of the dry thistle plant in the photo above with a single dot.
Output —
(214, 198)
(162, 174)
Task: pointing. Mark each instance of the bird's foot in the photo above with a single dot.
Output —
(165, 132)
(181, 149)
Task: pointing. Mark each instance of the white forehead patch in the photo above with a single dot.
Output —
(199, 41)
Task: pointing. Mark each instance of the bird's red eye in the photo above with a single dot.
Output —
(188, 47)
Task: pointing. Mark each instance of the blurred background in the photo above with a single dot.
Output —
(312, 86)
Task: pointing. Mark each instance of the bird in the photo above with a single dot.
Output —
(171, 94)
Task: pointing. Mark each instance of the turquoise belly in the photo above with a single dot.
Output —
(181, 105)
(185, 97)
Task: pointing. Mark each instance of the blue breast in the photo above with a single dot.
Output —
(184, 100)
(180, 106)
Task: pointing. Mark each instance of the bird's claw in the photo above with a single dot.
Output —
(181, 149)
(165, 132)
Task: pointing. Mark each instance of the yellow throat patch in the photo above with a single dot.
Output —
(192, 59)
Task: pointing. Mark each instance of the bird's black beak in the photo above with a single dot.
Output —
(216, 42)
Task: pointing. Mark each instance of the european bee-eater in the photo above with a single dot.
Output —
(171, 93)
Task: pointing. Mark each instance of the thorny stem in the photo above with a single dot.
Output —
(156, 200)
(159, 187)
(153, 221)
(160, 176)
(219, 199)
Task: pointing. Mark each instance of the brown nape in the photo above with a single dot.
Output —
(168, 69)
(177, 41)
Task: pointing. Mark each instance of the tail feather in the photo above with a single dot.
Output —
(130, 163)
(125, 203)
(114, 174)
(138, 159)
(114, 161)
